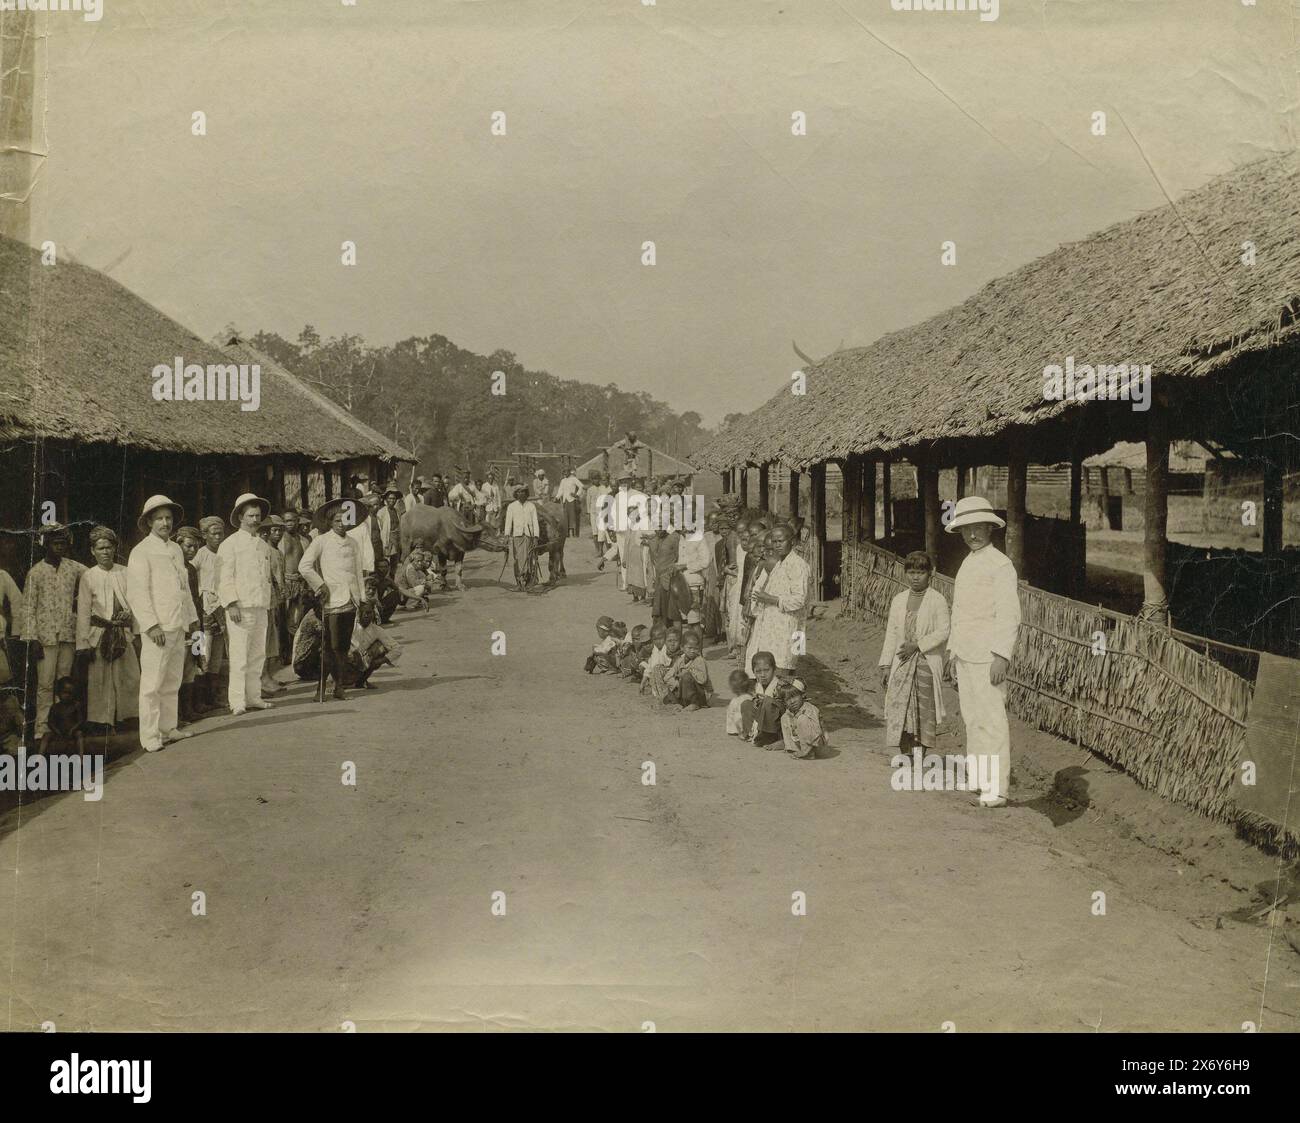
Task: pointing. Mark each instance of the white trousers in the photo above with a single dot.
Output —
(984, 710)
(56, 662)
(246, 650)
(161, 669)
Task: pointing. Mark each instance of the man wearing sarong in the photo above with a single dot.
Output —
(49, 623)
(985, 619)
(292, 545)
(105, 629)
(491, 495)
(522, 530)
(213, 649)
(665, 546)
(569, 493)
(331, 566)
(389, 518)
(778, 601)
(911, 659)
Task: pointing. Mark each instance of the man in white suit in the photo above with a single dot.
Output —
(985, 619)
(244, 588)
(158, 591)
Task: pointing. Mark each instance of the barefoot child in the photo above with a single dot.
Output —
(660, 666)
(64, 722)
(688, 680)
(740, 710)
(801, 724)
(767, 701)
(911, 659)
(605, 643)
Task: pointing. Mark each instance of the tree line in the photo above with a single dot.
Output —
(436, 399)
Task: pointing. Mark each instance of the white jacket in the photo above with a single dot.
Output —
(158, 586)
(244, 571)
(931, 630)
(985, 607)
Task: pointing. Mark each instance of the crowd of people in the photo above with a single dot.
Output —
(741, 580)
(201, 618)
(745, 583)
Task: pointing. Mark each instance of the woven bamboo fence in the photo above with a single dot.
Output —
(1138, 697)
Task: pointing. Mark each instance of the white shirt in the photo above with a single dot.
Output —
(570, 488)
(205, 561)
(985, 607)
(334, 561)
(95, 598)
(521, 520)
(244, 571)
(695, 555)
(360, 534)
(158, 586)
(463, 493)
(491, 496)
(387, 520)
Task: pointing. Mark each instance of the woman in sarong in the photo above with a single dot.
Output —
(105, 630)
(911, 659)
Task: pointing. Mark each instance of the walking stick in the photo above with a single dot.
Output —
(324, 640)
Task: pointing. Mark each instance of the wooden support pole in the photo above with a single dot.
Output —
(887, 499)
(1155, 517)
(869, 497)
(927, 478)
(764, 498)
(961, 481)
(1016, 474)
(818, 537)
(1076, 488)
(744, 486)
(726, 482)
(794, 494)
(1272, 513)
(849, 468)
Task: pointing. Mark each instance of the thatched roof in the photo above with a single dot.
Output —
(1166, 288)
(77, 352)
(650, 461)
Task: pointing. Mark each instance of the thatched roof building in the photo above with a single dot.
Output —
(1167, 288)
(81, 424)
(76, 354)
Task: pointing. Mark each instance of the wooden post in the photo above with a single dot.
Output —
(764, 499)
(818, 537)
(927, 478)
(726, 482)
(794, 494)
(849, 506)
(887, 499)
(1076, 488)
(744, 486)
(961, 481)
(1272, 513)
(1155, 516)
(1016, 470)
(869, 494)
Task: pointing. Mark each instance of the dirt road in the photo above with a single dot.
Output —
(624, 903)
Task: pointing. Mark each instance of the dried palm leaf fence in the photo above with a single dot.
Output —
(1140, 698)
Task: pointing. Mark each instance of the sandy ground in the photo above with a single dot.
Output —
(625, 903)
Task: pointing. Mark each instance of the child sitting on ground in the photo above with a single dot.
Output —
(12, 720)
(656, 654)
(661, 663)
(635, 652)
(740, 710)
(801, 724)
(606, 643)
(64, 722)
(687, 679)
(415, 573)
(767, 701)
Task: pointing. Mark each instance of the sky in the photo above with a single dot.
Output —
(629, 122)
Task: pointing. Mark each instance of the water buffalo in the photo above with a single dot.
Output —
(449, 536)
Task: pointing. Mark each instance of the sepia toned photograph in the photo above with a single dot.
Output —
(645, 516)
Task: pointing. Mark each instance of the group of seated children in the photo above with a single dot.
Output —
(667, 661)
(774, 714)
